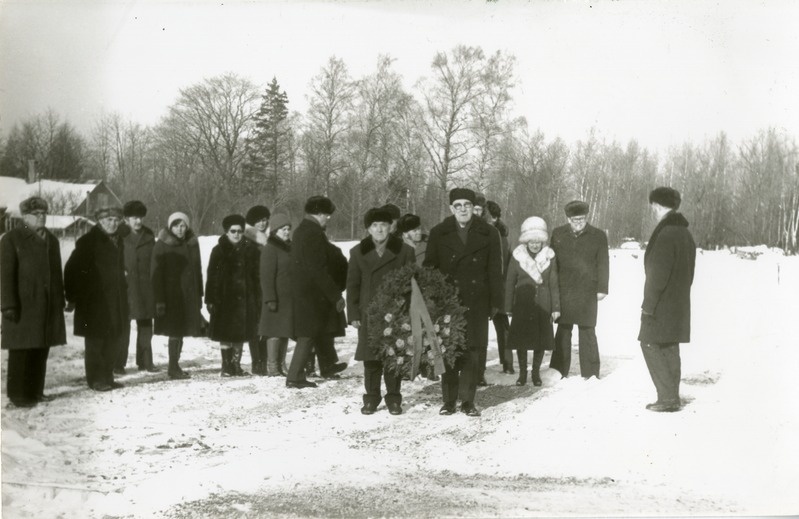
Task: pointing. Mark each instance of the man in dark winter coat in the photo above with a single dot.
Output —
(94, 279)
(32, 303)
(468, 250)
(139, 241)
(581, 257)
(666, 311)
(257, 220)
(493, 215)
(317, 283)
(370, 261)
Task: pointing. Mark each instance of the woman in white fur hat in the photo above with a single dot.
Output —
(532, 297)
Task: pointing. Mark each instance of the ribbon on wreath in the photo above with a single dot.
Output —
(421, 323)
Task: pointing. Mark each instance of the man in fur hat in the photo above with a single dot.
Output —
(669, 263)
(257, 220)
(468, 250)
(581, 257)
(318, 278)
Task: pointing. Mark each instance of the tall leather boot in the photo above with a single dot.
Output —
(263, 352)
(238, 348)
(273, 357)
(174, 371)
(281, 362)
(535, 375)
(255, 356)
(521, 355)
(226, 362)
(310, 366)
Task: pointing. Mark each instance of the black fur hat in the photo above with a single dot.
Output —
(319, 205)
(461, 193)
(665, 196)
(34, 203)
(231, 220)
(393, 210)
(480, 199)
(409, 222)
(257, 213)
(377, 214)
(494, 209)
(134, 208)
(576, 208)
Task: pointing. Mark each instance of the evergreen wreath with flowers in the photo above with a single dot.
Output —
(389, 320)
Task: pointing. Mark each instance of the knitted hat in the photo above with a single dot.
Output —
(174, 217)
(319, 205)
(278, 222)
(494, 209)
(134, 208)
(576, 208)
(409, 222)
(461, 193)
(665, 196)
(34, 203)
(106, 206)
(393, 210)
(257, 213)
(377, 214)
(534, 228)
(231, 220)
(480, 199)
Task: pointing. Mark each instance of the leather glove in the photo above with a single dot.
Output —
(271, 306)
(340, 305)
(12, 314)
(160, 309)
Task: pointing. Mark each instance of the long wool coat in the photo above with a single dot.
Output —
(318, 277)
(669, 263)
(532, 306)
(275, 272)
(474, 267)
(94, 279)
(177, 279)
(583, 270)
(31, 283)
(138, 260)
(232, 287)
(366, 271)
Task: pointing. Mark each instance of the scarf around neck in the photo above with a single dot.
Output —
(534, 267)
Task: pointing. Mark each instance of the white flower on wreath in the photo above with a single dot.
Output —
(400, 361)
(400, 343)
(388, 318)
(445, 332)
(390, 352)
(388, 331)
(436, 327)
(430, 355)
(406, 327)
(447, 319)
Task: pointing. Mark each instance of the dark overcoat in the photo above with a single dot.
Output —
(583, 271)
(178, 283)
(138, 260)
(669, 263)
(474, 267)
(275, 271)
(232, 287)
(31, 282)
(531, 306)
(366, 270)
(318, 277)
(94, 279)
(503, 237)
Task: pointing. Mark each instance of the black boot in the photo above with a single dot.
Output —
(522, 357)
(281, 362)
(255, 356)
(273, 357)
(226, 362)
(538, 356)
(174, 346)
(236, 361)
(310, 366)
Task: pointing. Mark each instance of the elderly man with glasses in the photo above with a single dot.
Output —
(467, 249)
(581, 257)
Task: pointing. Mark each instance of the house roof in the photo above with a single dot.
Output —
(62, 222)
(15, 190)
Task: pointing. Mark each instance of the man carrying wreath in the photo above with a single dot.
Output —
(468, 251)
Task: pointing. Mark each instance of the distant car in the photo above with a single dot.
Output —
(630, 244)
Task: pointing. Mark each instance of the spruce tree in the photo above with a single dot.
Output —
(268, 149)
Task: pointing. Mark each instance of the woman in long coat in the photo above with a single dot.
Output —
(257, 219)
(532, 297)
(232, 293)
(277, 314)
(32, 303)
(177, 287)
(370, 260)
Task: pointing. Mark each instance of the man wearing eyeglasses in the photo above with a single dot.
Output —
(581, 256)
(468, 251)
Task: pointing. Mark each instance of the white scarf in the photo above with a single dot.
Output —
(534, 266)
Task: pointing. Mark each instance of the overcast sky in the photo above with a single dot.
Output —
(661, 72)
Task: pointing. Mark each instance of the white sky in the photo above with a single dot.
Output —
(661, 72)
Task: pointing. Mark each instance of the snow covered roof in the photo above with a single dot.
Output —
(61, 222)
(15, 190)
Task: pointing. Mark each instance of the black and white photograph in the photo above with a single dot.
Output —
(353, 258)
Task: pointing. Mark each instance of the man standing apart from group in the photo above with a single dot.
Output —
(467, 250)
(669, 263)
(32, 302)
(581, 257)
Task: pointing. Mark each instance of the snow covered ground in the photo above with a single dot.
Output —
(212, 447)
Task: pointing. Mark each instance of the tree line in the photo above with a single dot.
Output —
(225, 144)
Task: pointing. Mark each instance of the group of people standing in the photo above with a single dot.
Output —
(266, 285)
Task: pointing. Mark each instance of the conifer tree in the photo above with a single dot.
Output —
(269, 146)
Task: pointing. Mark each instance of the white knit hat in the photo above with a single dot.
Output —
(177, 216)
(534, 228)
